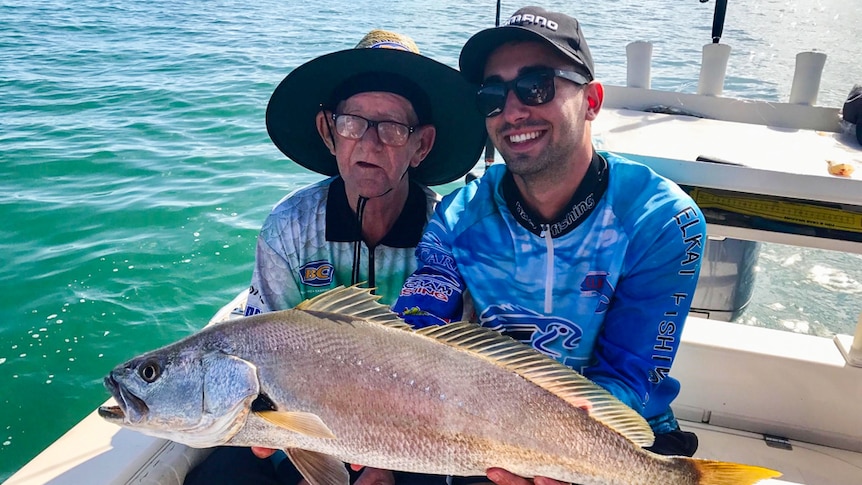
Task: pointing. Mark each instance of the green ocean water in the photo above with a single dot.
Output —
(135, 168)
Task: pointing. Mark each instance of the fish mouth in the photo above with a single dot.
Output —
(131, 408)
(112, 413)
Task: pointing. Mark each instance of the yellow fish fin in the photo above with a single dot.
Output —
(547, 373)
(712, 472)
(303, 423)
(317, 468)
(355, 302)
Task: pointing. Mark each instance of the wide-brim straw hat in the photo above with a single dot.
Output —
(290, 115)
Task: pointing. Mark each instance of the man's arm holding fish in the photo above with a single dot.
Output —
(641, 331)
(434, 293)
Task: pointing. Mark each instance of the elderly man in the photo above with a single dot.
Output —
(382, 122)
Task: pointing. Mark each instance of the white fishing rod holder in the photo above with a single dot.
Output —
(713, 69)
(638, 64)
(806, 78)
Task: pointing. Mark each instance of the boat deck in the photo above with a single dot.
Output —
(759, 159)
(750, 165)
(769, 148)
(793, 139)
(802, 464)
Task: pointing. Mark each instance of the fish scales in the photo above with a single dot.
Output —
(392, 398)
(434, 408)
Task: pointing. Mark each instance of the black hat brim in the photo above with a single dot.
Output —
(290, 115)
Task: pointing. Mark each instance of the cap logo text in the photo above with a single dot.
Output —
(530, 19)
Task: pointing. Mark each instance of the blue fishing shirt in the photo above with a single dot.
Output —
(606, 294)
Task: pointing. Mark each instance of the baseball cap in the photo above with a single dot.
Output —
(558, 30)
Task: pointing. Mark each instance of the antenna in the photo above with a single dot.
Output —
(489, 145)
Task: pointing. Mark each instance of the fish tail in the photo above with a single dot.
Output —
(711, 472)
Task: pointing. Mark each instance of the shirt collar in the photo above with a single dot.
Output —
(581, 205)
(342, 226)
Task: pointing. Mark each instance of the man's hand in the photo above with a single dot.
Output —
(374, 476)
(503, 477)
(262, 452)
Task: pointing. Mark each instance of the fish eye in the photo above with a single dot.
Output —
(150, 371)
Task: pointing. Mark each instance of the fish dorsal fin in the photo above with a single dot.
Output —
(355, 302)
(547, 373)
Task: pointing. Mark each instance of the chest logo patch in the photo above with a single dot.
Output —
(553, 336)
(316, 273)
(596, 284)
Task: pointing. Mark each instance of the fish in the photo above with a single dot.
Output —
(340, 378)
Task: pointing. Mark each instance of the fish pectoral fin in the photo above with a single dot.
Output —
(317, 468)
(308, 424)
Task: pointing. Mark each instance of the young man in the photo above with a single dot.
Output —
(383, 122)
(584, 255)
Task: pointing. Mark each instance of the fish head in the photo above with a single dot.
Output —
(186, 394)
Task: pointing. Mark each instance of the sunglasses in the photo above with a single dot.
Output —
(391, 133)
(533, 89)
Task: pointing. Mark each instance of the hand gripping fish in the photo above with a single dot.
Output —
(340, 378)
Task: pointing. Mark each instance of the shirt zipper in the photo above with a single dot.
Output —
(549, 270)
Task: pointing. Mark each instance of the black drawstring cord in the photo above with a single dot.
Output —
(360, 211)
(357, 245)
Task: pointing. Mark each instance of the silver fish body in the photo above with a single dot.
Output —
(359, 386)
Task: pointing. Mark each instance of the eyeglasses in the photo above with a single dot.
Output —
(391, 133)
(533, 89)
